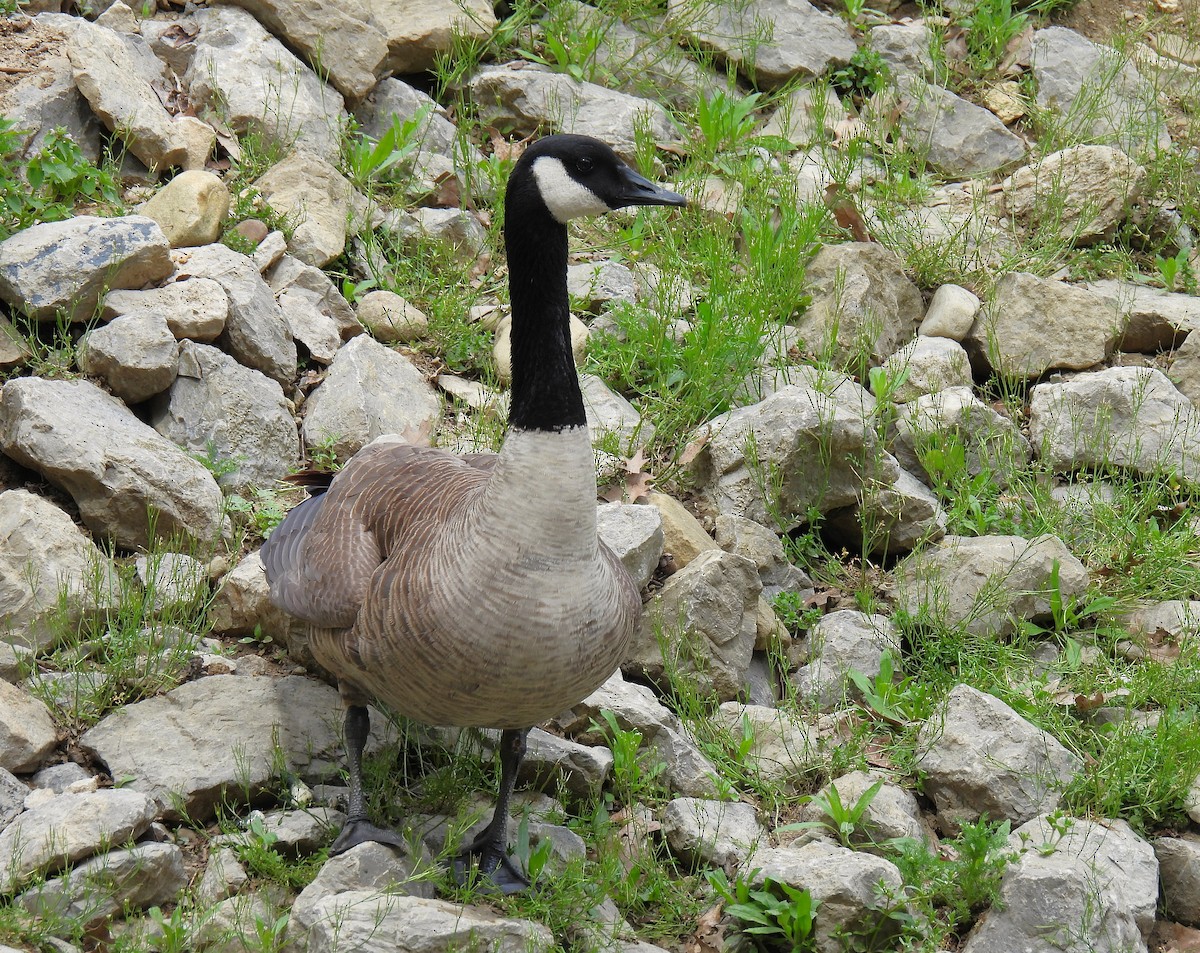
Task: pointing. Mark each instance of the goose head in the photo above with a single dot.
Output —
(575, 176)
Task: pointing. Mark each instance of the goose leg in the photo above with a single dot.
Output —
(489, 851)
(358, 828)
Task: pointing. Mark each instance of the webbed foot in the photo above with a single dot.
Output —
(491, 871)
(363, 831)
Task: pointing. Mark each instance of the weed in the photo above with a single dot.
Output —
(1176, 271)
(385, 161)
(771, 916)
(863, 77)
(842, 820)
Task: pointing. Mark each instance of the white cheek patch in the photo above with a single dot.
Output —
(564, 197)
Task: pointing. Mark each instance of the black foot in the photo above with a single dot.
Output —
(490, 873)
(364, 832)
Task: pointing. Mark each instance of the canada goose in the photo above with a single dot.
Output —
(474, 591)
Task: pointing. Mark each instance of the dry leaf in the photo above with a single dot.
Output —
(446, 193)
(709, 935)
(692, 450)
(1175, 938)
(847, 130)
(1161, 646)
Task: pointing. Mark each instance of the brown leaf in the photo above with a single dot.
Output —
(709, 935)
(1084, 703)
(1017, 53)
(638, 485)
(693, 449)
(845, 212)
(1161, 646)
(446, 193)
(1175, 938)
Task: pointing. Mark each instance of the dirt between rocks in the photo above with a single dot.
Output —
(24, 47)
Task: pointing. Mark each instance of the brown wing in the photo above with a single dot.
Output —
(319, 561)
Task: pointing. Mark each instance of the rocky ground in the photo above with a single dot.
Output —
(896, 427)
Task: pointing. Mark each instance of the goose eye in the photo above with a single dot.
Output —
(584, 164)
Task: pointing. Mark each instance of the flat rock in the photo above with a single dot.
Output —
(136, 355)
(1082, 193)
(551, 763)
(253, 83)
(67, 828)
(315, 197)
(191, 208)
(989, 584)
(256, 331)
(337, 38)
(611, 417)
(418, 31)
(840, 643)
(64, 267)
(635, 534)
(804, 41)
(196, 743)
(194, 308)
(716, 833)
(114, 466)
(370, 390)
(979, 757)
(1034, 325)
(779, 748)
(43, 556)
(957, 137)
(27, 732)
(216, 405)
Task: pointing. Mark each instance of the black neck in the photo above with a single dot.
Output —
(545, 385)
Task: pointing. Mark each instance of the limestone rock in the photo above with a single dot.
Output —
(391, 319)
(704, 616)
(12, 797)
(14, 351)
(136, 355)
(781, 749)
(842, 642)
(191, 208)
(194, 308)
(608, 413)
(860, 295)
(116, 467)
(1154, 319)
(989, 584)
(62, 267)
(805, 117)
(684, 538)
(242, 604)
(370, 390)
(904, 47)
(926, 365)
(27, 732)
(195, 742)
(43, 555)
(716, 833)
(951, 313)
(316, 197)
(804, 40)
(597, 284)
(67, 828)
(393, 100)
(1179, 865)
(420, 30)
(172, 579)
(217, 405)
(891, 519)
(1083, 193)
(958, 137)
(892, 813)
(551, 762)
(253, 83)
(635, 534)
(527, 100)
(256, 330)
(289, 273)
(1034, 325)
(1121, 416)
(735, 534)
(979, 757)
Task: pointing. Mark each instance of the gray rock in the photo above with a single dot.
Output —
(892, 812)
(1121, 416)
(391, 319)
(59, 777)
(245, 76)
(1034, 325)
(290, 273)
(196, 743)
(610, 413)
(310, 324)
(124, 467)
(242, 604)
(1097, 93)
(368, 866)
(14, 349)
(1154, 319)
(315, 197)
(1178, 618)
(223, 876)
(716, 833)
(852, 890)
(744, 537)
(814, 446)
(1082, 193)
(27, 731)
(780, 749)
(191, 208)
(842, 642)
(223, 928)
(989, 584)
(552, 763)
(526, 100)
(194, 308)
(598, 284)
(805, 116)
(701, 624)
(926, 365)
(393, 100)
(687, 772)
(12, 797)
(217, 405)
(1179, 866)
(107, 76)
(904, 47)
(803, 41)
(63, 267)
(635, 534)
(957, 137)
(951, 313)
(990, 441)
(172, 579)
(417, 33)
(143, 876)
(256, 330)
(364, 919)
(370, 390)
(136, 355)
(45, 556)
(292, 833)
(862, 299)
(336, 37)
(891, 519)
(979, 757)
(67, 828)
